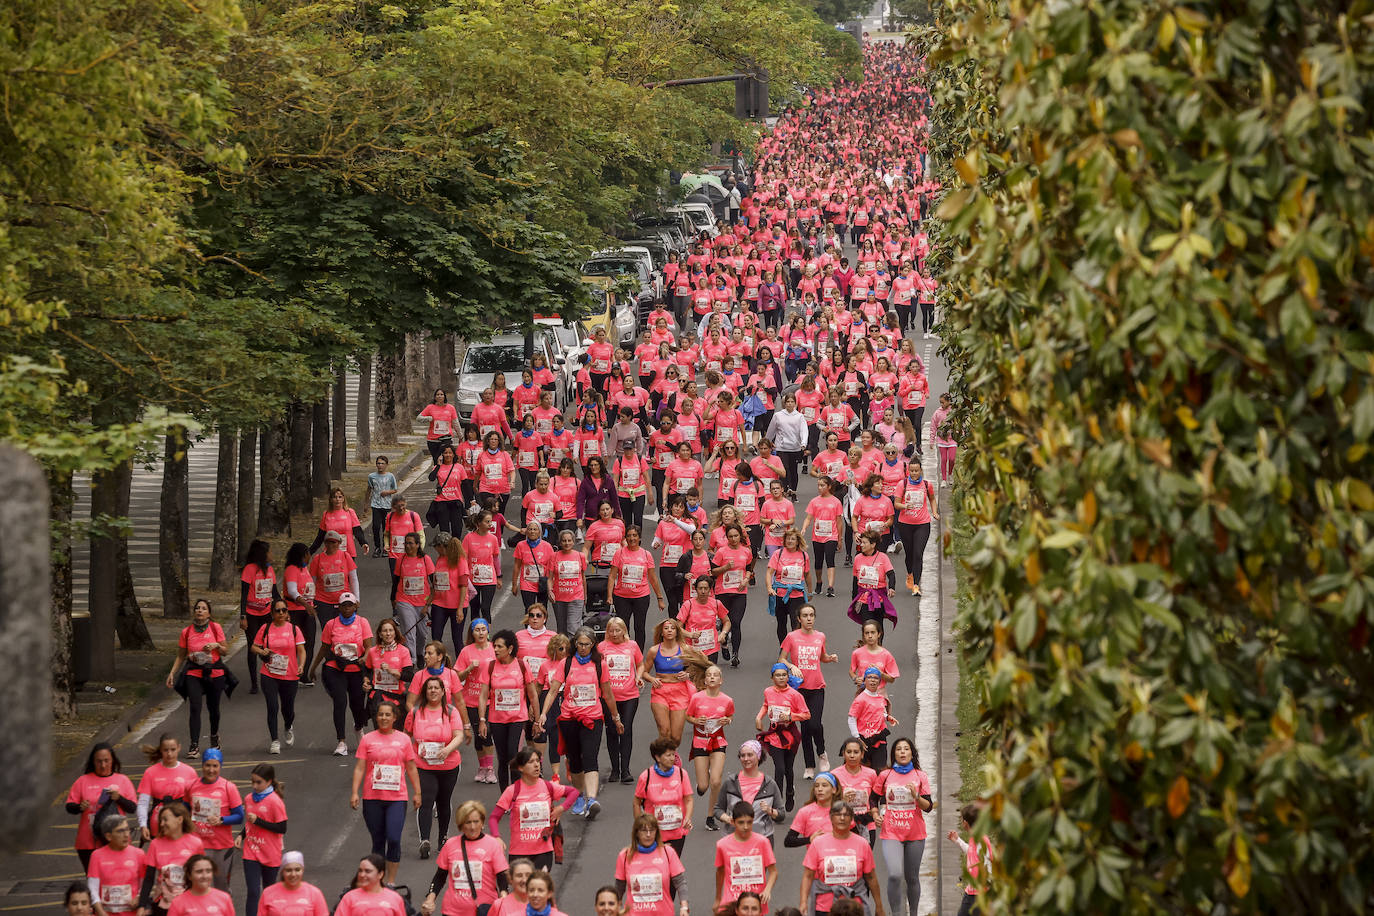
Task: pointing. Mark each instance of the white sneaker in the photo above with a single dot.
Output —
(809, 773)
(824, 764)
(891, 548)
(290, 737)
(341, 750)
(274, 747)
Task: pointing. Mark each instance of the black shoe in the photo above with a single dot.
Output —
(734, 661)
(614, 777)
(848, 562)
(791, 801)
(627, 780)
(830, 592)
(254, 689)
(214, 741)
(424, 849)
(307, 682)
(193, 751)
(442, 841)
(711, 823)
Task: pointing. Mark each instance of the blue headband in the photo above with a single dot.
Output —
(482, 621)
(872, 670)
(828, 777)
(779, 666)
(213, 753)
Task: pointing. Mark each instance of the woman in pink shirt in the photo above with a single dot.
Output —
(483, 549)
(437, 726)
(649, 874)
(368, 896)
(471, 869)
(605, 536)
(386, 762)
(202, 897)
(166, 857)
(281, 646)
(257, 590)
(471, 667)
(165, 780)
(503, 706)
(813, 818)
(264, 828)
(709, 711)
(941, 431)
(293, 896)
(870, 720)
(116, 870)
(536, 806)
(99, 784)
(632, 575)
(823, 515)
(200, 649)
(777, 720)
(789, 580)
(733, 565)
(875, 583)
(621, 658)
(856, 784)
(839, 859)
(906, 796)
(443, 417)
(805, 650)
(870, 653)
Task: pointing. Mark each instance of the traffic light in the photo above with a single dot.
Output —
(751, 97)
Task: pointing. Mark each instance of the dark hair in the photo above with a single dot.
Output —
(154, 751)
(603, 889)
(524, 756)
(79, 887)
(298, 555)
(742, 809)
(257, 554)
(375, 861)
(660, 745)
(969, 814)
(849, 907)
(743, 470)
(915, 758)
(196, 859)
(102, 746)
(268, 773)
(743, 894)
(181, 811)
(507, 637)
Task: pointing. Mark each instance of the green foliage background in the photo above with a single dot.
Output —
(1157, 264)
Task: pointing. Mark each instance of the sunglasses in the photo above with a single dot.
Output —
(538, 617)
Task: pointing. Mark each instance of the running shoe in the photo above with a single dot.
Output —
(341, 750)
(830, 592)
(580, 806)
(424, 849)
(193, 751)
(824, 764)
(711, 822)
(809, 773)
(592, 809)
(274, 748)
(290, 737)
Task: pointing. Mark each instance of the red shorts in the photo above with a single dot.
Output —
(674, 696)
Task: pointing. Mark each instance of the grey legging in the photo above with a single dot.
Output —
(903, 861)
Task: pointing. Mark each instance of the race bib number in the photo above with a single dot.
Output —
(534, 815)
(204, 808)
(810, 414)
(672, 553)
(858, 800)
(683, 484)
(851, 389)
(527, 459)
(307, 590)
(432, 752)
(629, 477)
(901, 798)
(916, 499)
(663, 460)
(467, 878)
(507, 699)
(618, 665)
(442, 428)
(278, 664)
(581, 695)
(633, 574)
(777, 713)
(646, 887)
(568, 569)
(840, 870)
(543, 512)
(413, 585)
(608, 551)
(745, 501)
(386, 680)
(791, 574)
(334, 582)
(484, 430)
(386, 777)
(441, 581)
(688, 432)
(726, 434)
(398, 543)
(868, 576)
(262, 589)
(824, 528)
(708, 727)
(347, 651)
(491, 470)
(530, 574)
(746, 869)
(669, 816)
(174, 876)
(733, 579)
(874, 524)
(534, 663)
(201, 658)
(705, 641)
(483, 573)
(601, 366)
(117, 897)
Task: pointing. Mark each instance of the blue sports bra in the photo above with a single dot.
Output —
(668, 664)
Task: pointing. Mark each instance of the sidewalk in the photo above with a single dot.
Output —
(947, 776)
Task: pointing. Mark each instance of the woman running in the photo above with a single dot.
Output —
(300, 601)
(536, 806)
(471, 666)
(664, 792)
(702, 618)
(823, 514)
(777, 720)
(904, 790)
(116, 870)
(648, 873)
(483, 549)
(166, 858)
(839, 864)
(263, 833)
(281, 646)
(788, 580)
(386, 763)
(916, 500)
(869, 653)
(414, 573)
(665, 670)
(204, 896)
(709, 711)
(805, 651)
(585, 686)
(875, 583)
(856, 785)
(632, 575)
(871, 720)
(813, 818)
(216, 808)
(733, 566)
(165, 780)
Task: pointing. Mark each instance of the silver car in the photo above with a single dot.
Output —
(503, 353)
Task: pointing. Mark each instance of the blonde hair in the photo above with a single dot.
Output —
(466, 810)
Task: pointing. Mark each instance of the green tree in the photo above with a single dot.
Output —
(1159, 308)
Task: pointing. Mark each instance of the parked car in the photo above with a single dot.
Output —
(503, 353)
(703, 217)
(610, 311)
(658, 249)
(694, 230)
(669, 227)
(633, 261)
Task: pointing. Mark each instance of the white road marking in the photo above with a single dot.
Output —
(927, 655)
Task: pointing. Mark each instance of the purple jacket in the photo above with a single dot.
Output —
(772, 296)
(589, 495)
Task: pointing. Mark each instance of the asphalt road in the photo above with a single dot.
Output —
(333, 837)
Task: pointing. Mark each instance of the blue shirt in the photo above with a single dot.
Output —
(376, 483)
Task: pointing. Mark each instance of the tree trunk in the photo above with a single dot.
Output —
(448, 365)
(433, 344)
(299, 494)
(274, 512)
(363, 409)
(60, 499)
(390, 371)
(338, 433)
(224, 550)
(100, 598)
(129, 624)
(247, 498)
(174, 527)
(416, 396)
(319, 449)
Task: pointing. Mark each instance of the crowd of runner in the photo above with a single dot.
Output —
(633, 527)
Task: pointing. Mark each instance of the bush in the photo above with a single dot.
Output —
(1157, 260)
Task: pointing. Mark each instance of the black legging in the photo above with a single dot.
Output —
(914, 538)
(906, 314)
(632, 511)
(672, 594)
(790, 461)
(450, 512)
(915, 415)
(305, 621)
(506, 738)
(480, 603)
(195, 692)
(280, 692)
(927, 316)
(783, 762)
(441, 617)
(813, 729)
(787, 614)
(255, 623)
(735, 605)
(478, 741)
(436, 791)
(636, 610)
(378, 524)
(620, 746)
(346, 690)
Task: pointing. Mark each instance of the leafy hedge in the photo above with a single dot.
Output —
(1157, 256)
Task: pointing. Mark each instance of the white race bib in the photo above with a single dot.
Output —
(901, 797)
(534, 815)
(618, 664)
(442, 428)
(278, 664)
(632, 574)
(507, 699)
(669, 816)
(705, 641)
(347, 651)
(646, 887)
(398, 543)
(608, 551)
(432, 752)
(117, 897)
(688, 432)
(672, 553)
(204, 809)
(334, 582)
(386, 680)
(824, 528)
(483, 573)
(791, 574)
(413, 585)
(708, 727)
(526, 460)
(663, 460)
(262, 589)
(441, 580)
(629, 477)
(568, 569)
(775, 713)
(530, 574)
(491, 470)
(745, 502)
(868, 576)
(465, 872)
(581, 695)
(386, 777)
(840, 870)
(746, 869)
(733, 579)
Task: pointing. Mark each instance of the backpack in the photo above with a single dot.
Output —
(556, 834)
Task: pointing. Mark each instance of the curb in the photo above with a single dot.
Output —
(163, 698)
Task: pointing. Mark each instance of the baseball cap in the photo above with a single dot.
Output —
(348, 598)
